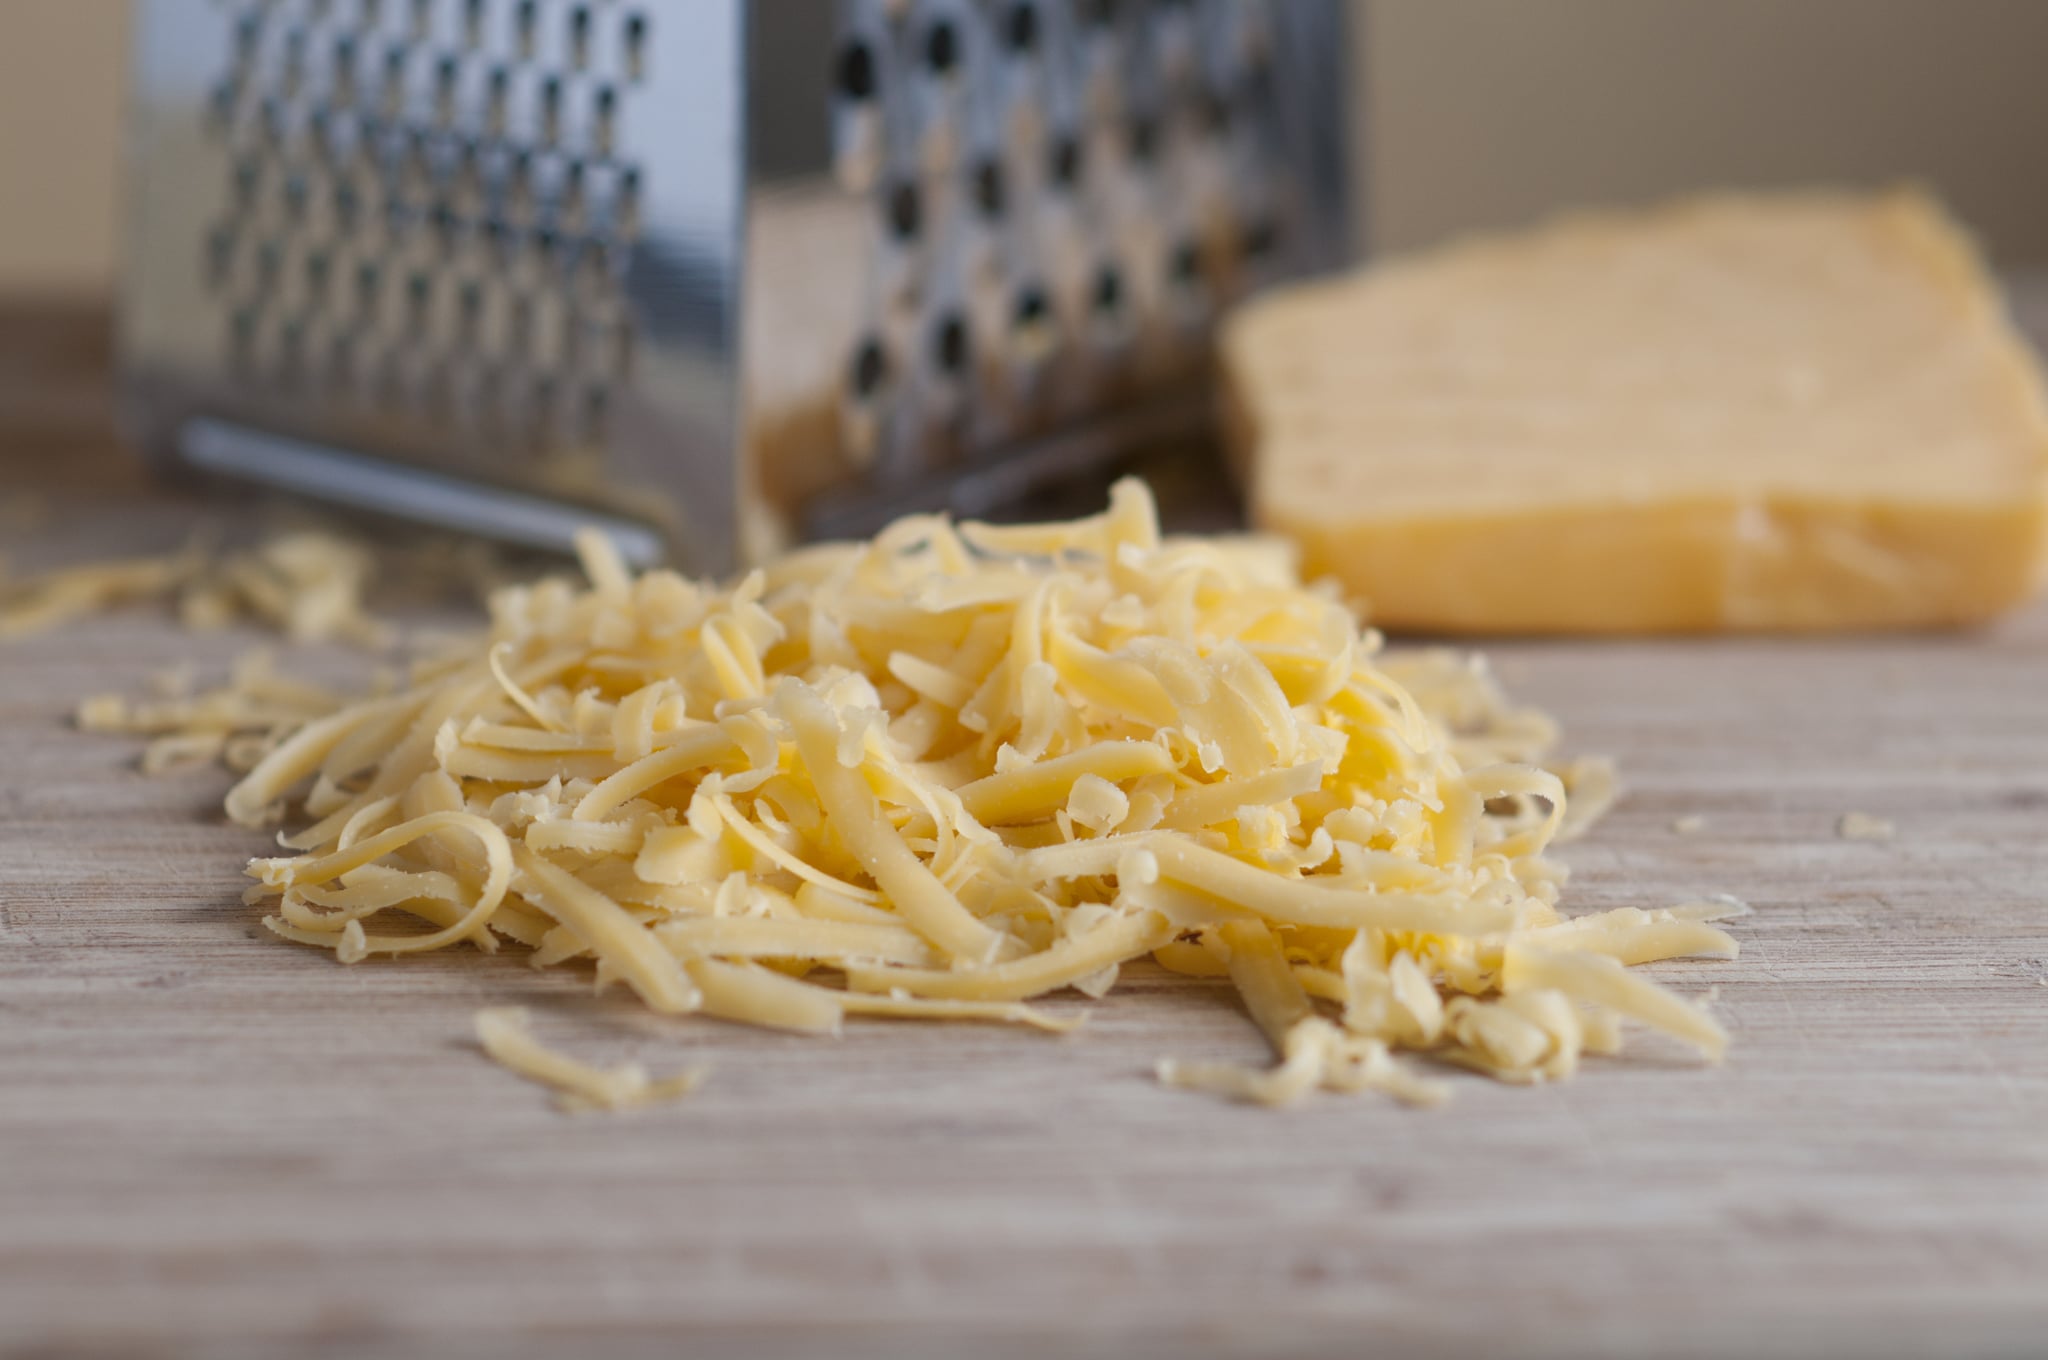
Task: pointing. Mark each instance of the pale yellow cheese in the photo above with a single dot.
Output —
(951, 771)
(1861, 826)
(308, 585)
(504, 1035)
(1801, 411)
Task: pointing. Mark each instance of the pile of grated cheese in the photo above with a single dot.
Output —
(961, 767)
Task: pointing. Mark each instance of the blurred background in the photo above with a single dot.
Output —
(1473, 114)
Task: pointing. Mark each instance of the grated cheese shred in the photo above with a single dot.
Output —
(505, 1035)
(947, 772)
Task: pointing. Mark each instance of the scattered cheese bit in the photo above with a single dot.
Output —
(307, 585)
(1593, 787)
(1861, 826)
(1689, 825)
(503, 1031)
(43, 602)
(310, 585)
(239, 723)
(957, 768)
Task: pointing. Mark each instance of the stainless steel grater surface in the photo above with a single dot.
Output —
(718, 274)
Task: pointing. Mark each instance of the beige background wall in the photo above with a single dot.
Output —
(1474, 113)
(62, 67)
(1484, 112)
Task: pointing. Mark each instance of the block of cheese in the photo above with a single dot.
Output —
(1796, 411)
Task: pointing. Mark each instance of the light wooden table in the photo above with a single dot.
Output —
(213, 1143)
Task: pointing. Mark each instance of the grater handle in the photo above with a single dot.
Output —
(414, 494)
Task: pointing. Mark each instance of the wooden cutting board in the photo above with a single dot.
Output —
(212, 1143)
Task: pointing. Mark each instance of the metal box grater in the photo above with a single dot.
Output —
(718, 274)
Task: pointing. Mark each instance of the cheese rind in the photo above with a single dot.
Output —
(1791, 412)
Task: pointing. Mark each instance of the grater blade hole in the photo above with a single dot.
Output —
(579, 36)
(220, 255)
(1066, 162)
(551, 110)
(1257, 80)
(1031, 330)
(857, 71)
(1108, 293)
(636, 46)
(1144, 139)
(906, 210)
(988, 188)
(1020, 28)
(870, 370)
(1216, 114)
(347, 205)
(248, 35)
(626, 205)
(949, 346)
(942, 47)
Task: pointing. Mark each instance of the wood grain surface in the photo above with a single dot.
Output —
(212, 1143)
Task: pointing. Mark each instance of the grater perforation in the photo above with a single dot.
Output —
(739, 271)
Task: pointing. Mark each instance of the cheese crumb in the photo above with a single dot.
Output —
(1861, 826)
(504, 1033)
(309, 585)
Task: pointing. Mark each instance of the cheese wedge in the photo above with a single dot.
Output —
(1800, 411)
